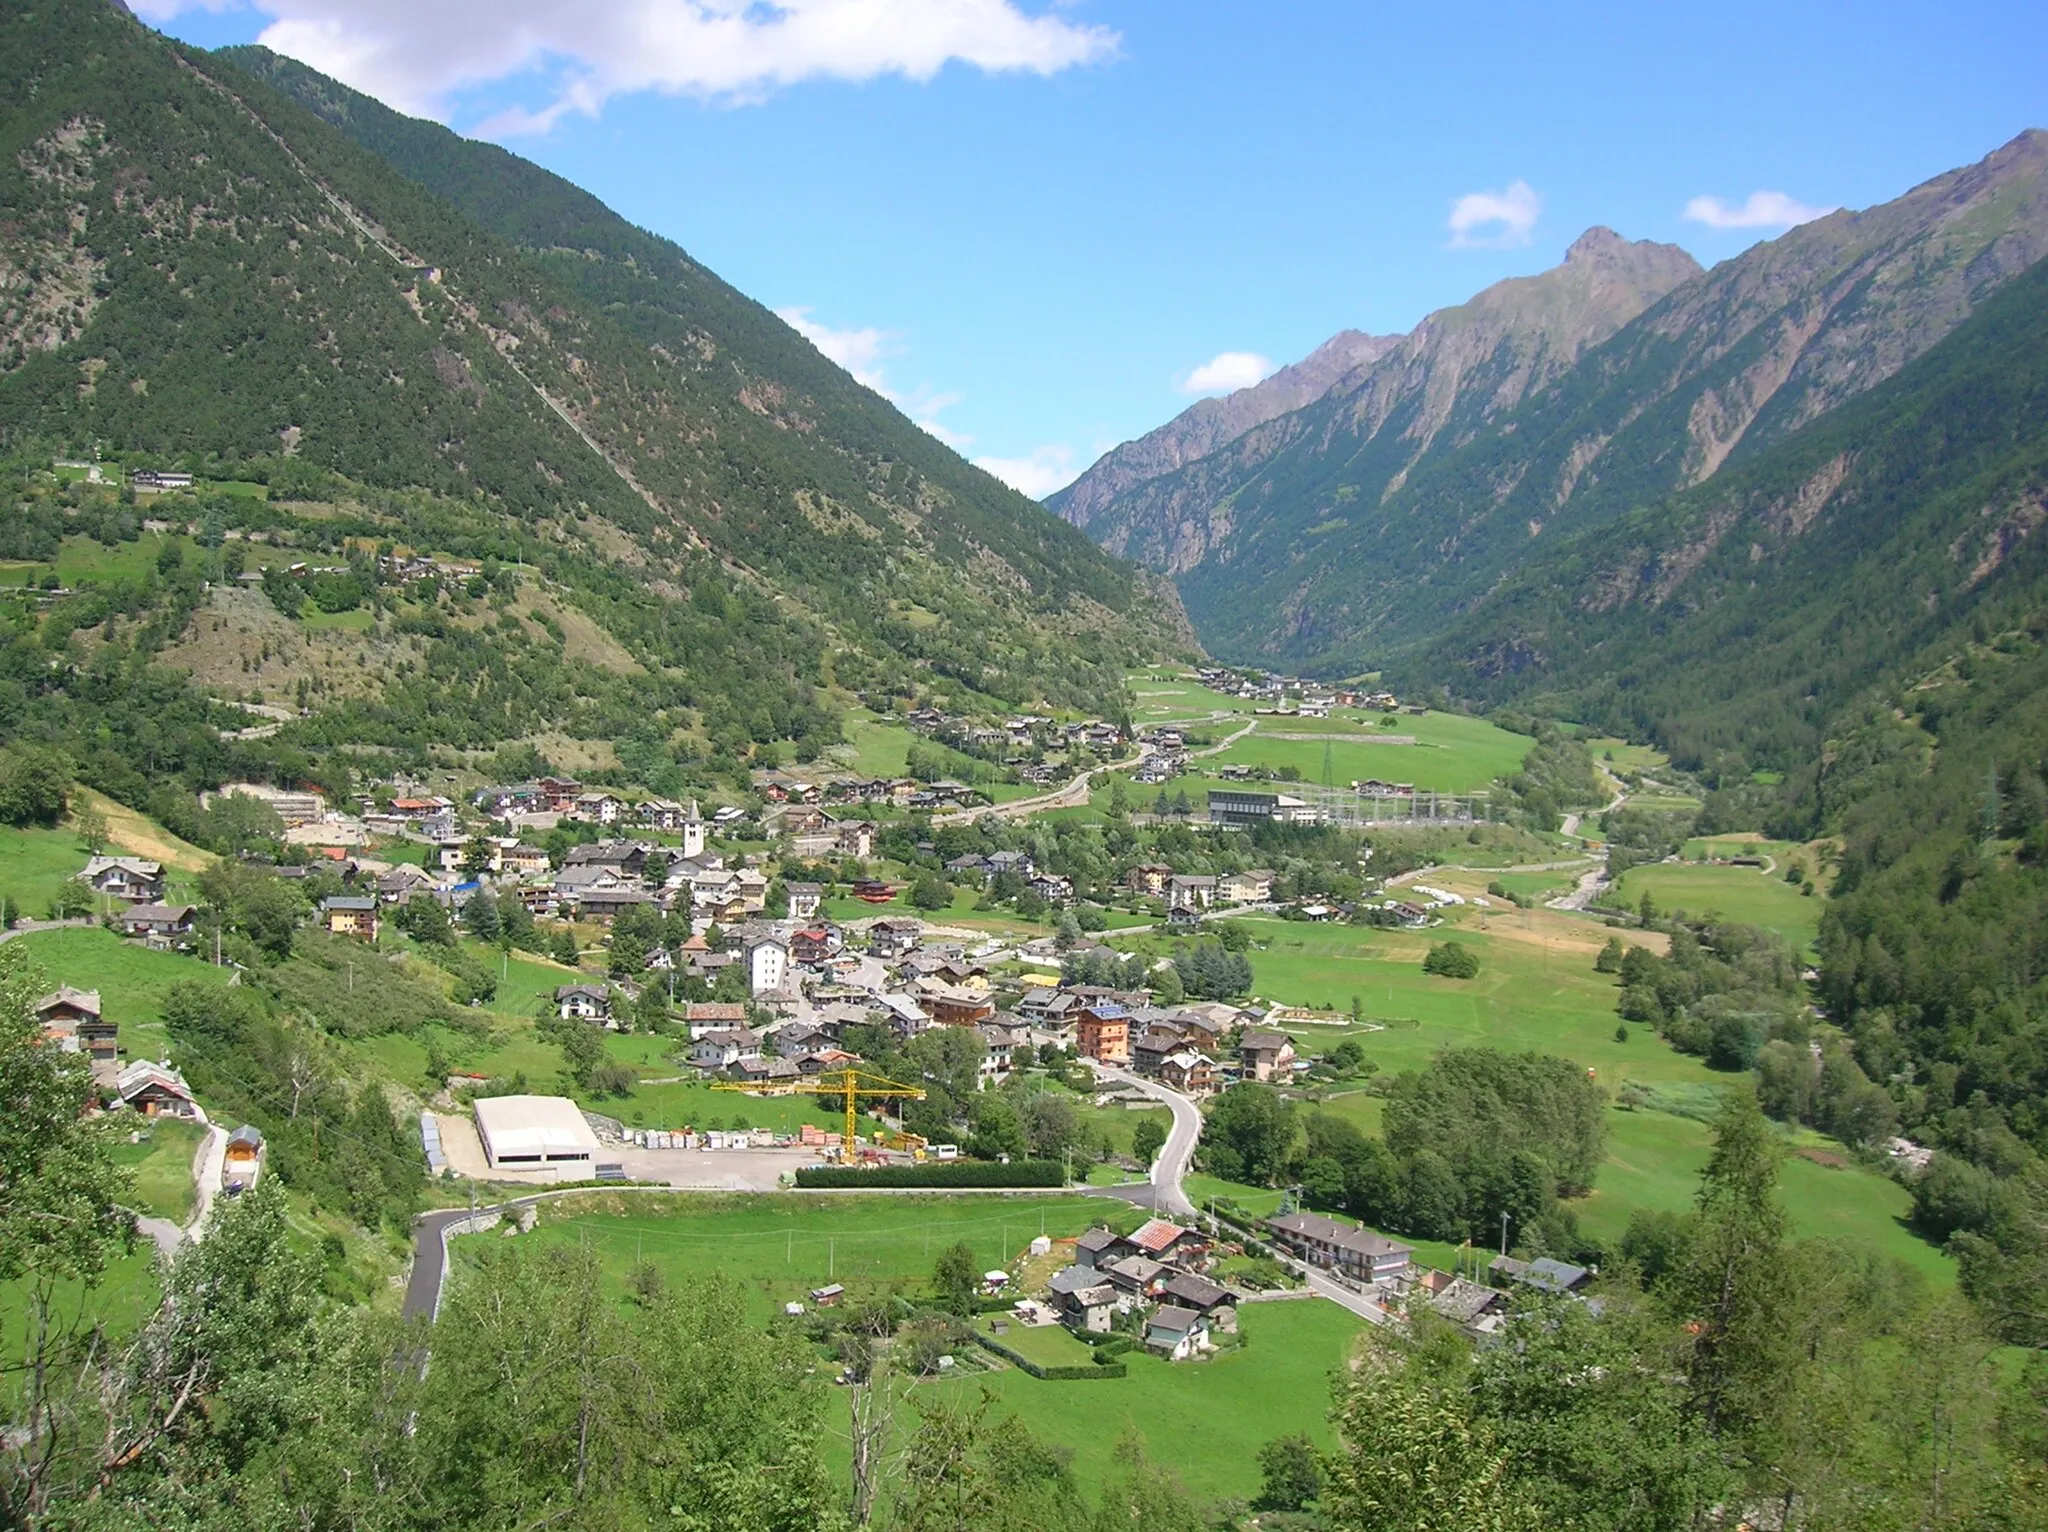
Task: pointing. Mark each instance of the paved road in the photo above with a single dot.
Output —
(1074, 795)
(1171, 1167)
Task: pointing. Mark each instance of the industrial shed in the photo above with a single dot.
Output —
(528, 1132)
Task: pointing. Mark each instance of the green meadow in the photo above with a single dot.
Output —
(1748, 895)
(161, 1163)
(1219, 1411)
(1451, 753)
(1529, 997)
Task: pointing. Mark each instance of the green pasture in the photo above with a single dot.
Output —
(361, 620)
(1527, 998)
(1451, 753)
(962, 911)
(1205, 1419)
(1742, 843)
(1620, 755)
(35, 864)
(782, 1245)
(1538, 886)
(161, 1164)
(1654, 1160)
(1118, 1123)
(131, 979)
(1745, 894)
(124, 1296)
(1156, 701)
(84, 561)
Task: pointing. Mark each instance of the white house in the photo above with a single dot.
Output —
(722, 1050)
(767, 964)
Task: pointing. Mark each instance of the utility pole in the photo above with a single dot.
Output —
(1503, 1232)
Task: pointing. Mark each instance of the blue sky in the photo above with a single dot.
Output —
(1040, 226)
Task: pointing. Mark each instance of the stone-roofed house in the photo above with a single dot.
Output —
(155, 1090)
(1097, 1247)
(1134, 1273)
(1186, 1290)
(351, 915)
(124, 877)
(72, 1019)
(1465, 1302)
(722, 1050)
(1090, 1308)
(157, 922)
(804, 900)
(1544, 1274)
(1177, 1333)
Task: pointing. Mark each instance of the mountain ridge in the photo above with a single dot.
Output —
(1720, 367)
(1505, 339)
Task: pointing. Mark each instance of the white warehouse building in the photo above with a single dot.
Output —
(533, 1132)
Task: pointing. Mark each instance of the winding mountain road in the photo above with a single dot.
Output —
(1170, 1168)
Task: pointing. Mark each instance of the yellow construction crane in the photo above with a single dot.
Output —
(849, 1083)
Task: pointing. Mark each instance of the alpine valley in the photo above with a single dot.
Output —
(599, 931)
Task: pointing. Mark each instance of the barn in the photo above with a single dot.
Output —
(531, 1132)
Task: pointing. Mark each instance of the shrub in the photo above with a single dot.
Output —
(1451, 960)
(953, 1174)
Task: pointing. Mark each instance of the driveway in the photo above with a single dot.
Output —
(206, 1171)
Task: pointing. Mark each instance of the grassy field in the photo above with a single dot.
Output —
(162, 1166)
(1207, 1418)
(1745, 894)
(1654, 1160)
(126, 1293)
(85, 561)
(1533, 995)
(783, 1246)
(34, 864)
(1620, 755)
(1537, 885)
(131, 979)
(1451, 753)
(961, 912)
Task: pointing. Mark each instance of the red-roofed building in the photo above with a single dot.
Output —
(1164, 1241)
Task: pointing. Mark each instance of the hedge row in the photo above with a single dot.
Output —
(949, 1173)
(1051, 1374)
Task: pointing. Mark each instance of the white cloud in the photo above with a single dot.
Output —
(1495, 220)
(1227, 372)
(1047, 469)
(1763, 210)
(860, 352)
(415, 56)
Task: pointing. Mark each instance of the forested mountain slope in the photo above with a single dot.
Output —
(1460, 368)
(200, 273)
(1365, 521)
(1733, 621)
